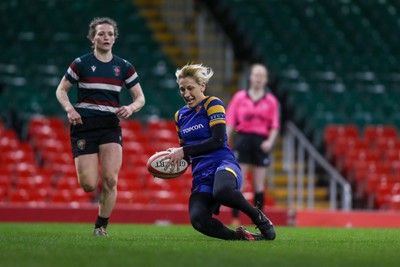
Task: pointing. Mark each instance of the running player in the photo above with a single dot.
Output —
(95, 132)
(254, 115)
(216, 174)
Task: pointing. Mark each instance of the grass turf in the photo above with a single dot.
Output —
(65, 245)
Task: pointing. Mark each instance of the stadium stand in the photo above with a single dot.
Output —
(41, 42)
(337, 68)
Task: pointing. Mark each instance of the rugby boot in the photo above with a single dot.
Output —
(249, 236)
(265, 226)
(101, 231)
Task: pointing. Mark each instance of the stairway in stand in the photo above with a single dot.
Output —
(277, 187)
(165, 30)
(188, 34)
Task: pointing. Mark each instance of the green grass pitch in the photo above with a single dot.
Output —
(42, 245)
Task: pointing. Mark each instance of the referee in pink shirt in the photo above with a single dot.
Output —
(253, 115)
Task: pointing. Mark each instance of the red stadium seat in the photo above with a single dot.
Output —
(135, 161)
(6, 180)
(26, 167)
(32, 182)
(18, 195)
(160, 146)
(387, 143)
(2, 194)
(128, 135)
(384, 193)
(394, 203)
(373, 132)
(156, 125)
(129, 184)
(164, 197)
(392, 155)
(68, 182)
(39, 195)
(125, 197)
(71, 195)
(23, 153)
(40, 124)
(156, 184)
(362, 171)
(50, 158)
(341, 145)
(133, 147)
(332, 132)
(136, 197)
(395, 167)
(355, 155)
(180, 184)
(8, 139)
(133, 125)
(61, 196)
(51, 144)
(78, 195)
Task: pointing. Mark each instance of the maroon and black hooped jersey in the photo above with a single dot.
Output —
(99, 83)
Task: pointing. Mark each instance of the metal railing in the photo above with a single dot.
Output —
(300, 153)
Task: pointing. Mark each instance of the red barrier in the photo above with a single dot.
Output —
(368, 219)
(123, 213)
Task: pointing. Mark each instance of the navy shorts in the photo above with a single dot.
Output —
(246, 148)
(203, 182)
(95, 131)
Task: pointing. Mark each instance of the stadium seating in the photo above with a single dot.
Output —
(40, 46)
(336, 64)
(335, 60)
(369, 160)
(42, 170)
(337, 69)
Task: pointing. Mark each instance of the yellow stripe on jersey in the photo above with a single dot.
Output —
(216, 113)
(176, 127)
(176, 121)
(215, 109)
(212, 123)
(232, 171)
(211, 98)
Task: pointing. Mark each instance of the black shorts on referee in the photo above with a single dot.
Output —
(95, 131)
(247, 149)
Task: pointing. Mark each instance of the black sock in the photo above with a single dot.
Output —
(101, 222)
(201, 206)
(225, 191)
(259, 200)
(235, 213)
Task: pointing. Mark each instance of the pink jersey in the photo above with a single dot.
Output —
(259, 117)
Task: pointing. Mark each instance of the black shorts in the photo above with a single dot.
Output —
(95, 131)
(246, 148)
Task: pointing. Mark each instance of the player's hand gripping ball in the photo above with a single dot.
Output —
(156, 166)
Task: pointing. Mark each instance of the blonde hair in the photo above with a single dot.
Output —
(200, 73)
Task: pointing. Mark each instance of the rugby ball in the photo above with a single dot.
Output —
(155, 165)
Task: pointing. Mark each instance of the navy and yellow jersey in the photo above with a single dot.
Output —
(193, 126)
(99, 83)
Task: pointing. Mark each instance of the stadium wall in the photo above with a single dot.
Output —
(358, 219)
(178, 214)
(122, 213)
